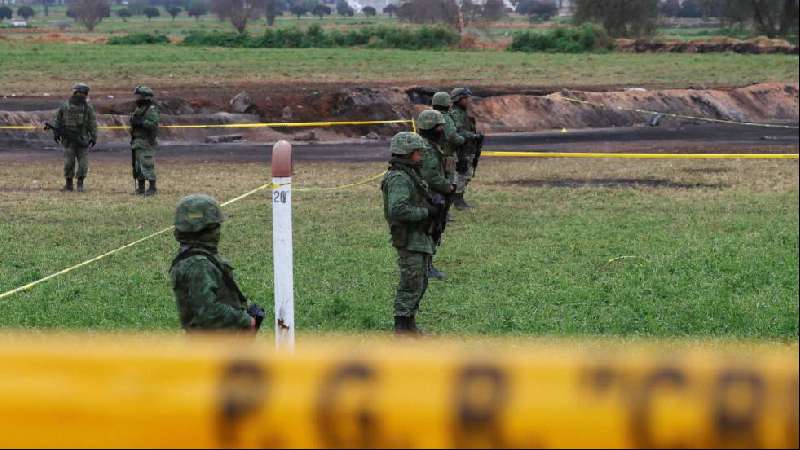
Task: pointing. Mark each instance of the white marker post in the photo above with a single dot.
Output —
(282, 252)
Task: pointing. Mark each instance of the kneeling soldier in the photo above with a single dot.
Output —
(409, 212)
(208, 297)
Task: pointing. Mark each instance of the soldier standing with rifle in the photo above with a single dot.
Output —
(452, 140)
(208, 297)
(410, 215)
(431, 125)
(75, 128)
(144, 134)
(469, 152)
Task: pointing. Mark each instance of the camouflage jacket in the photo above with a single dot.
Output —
(453, 140)
(465, 126)
(433, 161)
(77, 123)
(207, 297)
(147, 119)
(404, 208)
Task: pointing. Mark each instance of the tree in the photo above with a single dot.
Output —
(124, 14)
(151, 11)
(321, 11)
(537, 9)
(369, 11)
(197, 8)
(390, 10)
(6, 12)
(344, 9)
(493, 10)
(89, 12)
(272, 9)
(430, 11)
(691, 8)
(26, 12)
(237, 11)
(669, 8)
(621, 18)
(772, 18)
(174, 11)
(298, 10)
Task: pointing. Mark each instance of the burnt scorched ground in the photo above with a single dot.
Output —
(702, 138)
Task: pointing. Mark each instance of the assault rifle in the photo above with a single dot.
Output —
(439, 221)
(257, 313)
(57, 132)
(478, 147)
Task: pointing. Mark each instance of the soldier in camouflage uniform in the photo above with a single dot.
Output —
(441, 102)
(144, 134)
(407, 210)
(76, 129)
(208, 297)
(466, 152)
(431, 128)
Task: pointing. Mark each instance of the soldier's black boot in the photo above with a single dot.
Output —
(139, 187)
(435, 273)
(460, 203)
(152, 189)
(67, 185)
(402, 325)
(80, 184)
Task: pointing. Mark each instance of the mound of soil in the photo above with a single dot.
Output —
(759, 45)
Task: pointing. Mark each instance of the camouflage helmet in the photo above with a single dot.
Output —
(196, 212)
(405, 142)
(143, 91)
(441, 99)
(429, 118)
(83, 88)
(459, 93)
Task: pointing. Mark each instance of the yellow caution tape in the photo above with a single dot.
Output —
(241, 125)
(679, 116)
(194, 392)
(510, 154)
(165, 230)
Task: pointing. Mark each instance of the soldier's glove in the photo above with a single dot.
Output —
(92, 143)
(433, 210)
(257, 313)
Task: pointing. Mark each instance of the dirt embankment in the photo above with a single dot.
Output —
(758, 46)
(496, 110)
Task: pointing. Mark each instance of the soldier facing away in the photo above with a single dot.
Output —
(431, 125)
(76, 129)
(465, 125)
(206, 293)
(144, 134)
(409, 214)
(452, 140)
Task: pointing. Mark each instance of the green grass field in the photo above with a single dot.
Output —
(28, 68)
(555, 248)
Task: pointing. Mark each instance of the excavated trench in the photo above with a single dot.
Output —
(497, 110)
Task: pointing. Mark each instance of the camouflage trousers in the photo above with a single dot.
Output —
(413, 282)
(144, 165)
(463, 179)
(77, 153)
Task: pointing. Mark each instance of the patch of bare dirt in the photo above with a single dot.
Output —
(759, 45)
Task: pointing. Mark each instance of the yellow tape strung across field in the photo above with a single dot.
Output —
(158, 233)
(242, 125)
(679, 116)
(509, 154)
(198, 392)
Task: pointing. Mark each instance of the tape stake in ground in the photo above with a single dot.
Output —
(156, 392)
